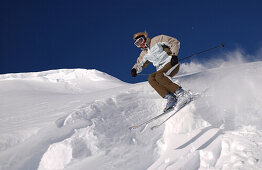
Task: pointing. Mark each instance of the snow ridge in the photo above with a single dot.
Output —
(74, 119)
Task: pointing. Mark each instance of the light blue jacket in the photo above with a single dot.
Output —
(155, 53)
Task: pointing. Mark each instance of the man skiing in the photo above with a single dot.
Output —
(162, 52)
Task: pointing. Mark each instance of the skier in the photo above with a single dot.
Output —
(162, 51)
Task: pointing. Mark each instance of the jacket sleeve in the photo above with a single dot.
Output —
(141, 63)
(174, 46)
(173, 43)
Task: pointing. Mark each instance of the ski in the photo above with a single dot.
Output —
(177, 110)
(193, 97)
(152, 119)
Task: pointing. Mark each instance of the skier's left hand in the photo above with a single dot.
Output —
(174, 60)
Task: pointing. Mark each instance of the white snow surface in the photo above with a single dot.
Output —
(77, 119)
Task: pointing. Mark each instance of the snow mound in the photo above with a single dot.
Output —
(82, 144)
(68, 80)
(105, 138)
(61, 74)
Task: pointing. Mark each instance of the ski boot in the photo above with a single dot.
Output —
(171, 101)
(183, 97)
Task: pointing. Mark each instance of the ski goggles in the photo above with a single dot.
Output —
(139, 41)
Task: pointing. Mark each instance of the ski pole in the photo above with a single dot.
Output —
(201, 52)
(221, 45)
(143, 74)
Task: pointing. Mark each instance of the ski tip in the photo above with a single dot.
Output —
(132, 127)
(152, 128)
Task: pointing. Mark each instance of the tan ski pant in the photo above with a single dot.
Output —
(161, 83)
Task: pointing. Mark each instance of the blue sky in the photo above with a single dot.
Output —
(39, 35)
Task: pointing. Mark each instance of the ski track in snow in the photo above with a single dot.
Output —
(62, 119)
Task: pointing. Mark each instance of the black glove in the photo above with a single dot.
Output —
(174, 60)
(133, 72)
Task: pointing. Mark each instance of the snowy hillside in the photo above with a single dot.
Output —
(79, 119)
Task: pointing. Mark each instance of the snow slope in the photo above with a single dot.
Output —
(79, 119)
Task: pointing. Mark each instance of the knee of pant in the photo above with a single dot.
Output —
(159, 77)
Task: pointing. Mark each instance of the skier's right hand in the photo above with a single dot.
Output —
(174, 60)
(133, 72)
